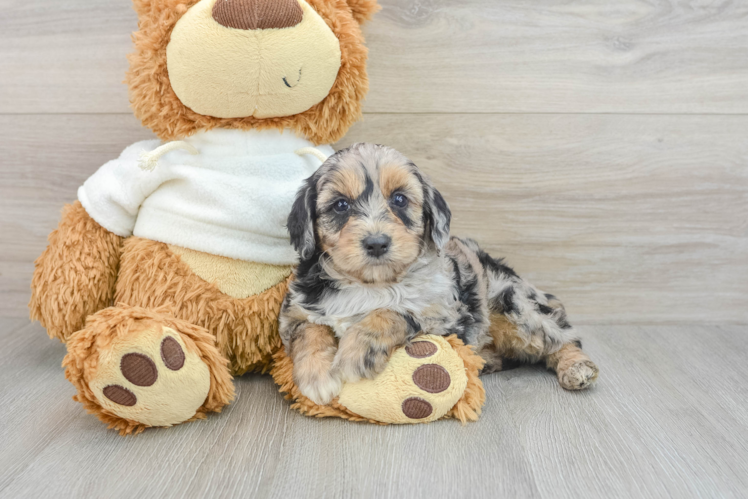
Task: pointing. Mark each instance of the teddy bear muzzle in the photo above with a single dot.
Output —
(257, 14)
(252, 58)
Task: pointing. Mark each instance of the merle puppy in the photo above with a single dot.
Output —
(377, 267)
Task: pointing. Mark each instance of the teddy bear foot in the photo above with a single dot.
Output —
(432, 378)
(136, 368)
(421, 383)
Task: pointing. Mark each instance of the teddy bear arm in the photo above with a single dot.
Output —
(75, 276)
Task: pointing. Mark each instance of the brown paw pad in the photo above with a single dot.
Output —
(417, 408)
(138, 369)
(432, 378)
(421, 349)
(120, 395)
(172, 354)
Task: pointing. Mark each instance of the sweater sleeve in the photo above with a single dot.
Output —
(112, 196)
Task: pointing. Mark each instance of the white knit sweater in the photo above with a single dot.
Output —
(228, 193)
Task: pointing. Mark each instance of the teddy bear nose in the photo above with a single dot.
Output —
(257, 14)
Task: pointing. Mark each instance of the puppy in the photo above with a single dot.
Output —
(377, 267)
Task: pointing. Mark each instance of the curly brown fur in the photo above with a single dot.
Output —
(446, 286)
(245, 330)
(469, 407)
(154, 102)
(113, 323)
(75, 276)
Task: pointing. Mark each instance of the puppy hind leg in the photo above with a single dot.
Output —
(541, 331)
(509, 348)
(574, 369)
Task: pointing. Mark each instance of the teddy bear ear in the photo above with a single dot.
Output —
(363, 10)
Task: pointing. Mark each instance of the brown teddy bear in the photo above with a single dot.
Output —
(166, 277)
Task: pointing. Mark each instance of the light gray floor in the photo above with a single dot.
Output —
(668, 418)
(600, 146)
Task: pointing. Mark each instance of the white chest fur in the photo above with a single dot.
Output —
(426, 289)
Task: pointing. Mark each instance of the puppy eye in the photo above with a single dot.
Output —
(341, 206)
(399, 200)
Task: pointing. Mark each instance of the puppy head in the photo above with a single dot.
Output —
(371, 211)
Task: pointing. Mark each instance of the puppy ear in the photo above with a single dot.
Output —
(301, 220)
(363, 10)
(437, 216)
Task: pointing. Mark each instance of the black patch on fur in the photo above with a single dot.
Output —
(303, 213)
(414, 326)
(358, 206)
(433, 204)
(368, 187)
(467, 293)
(504, 302)
(544, 309)
(577, 343)
(495, 265)
(370, 359)
(286, 303)
(295, 331)
(456, 267)
(441, 205)
(470, 315)
(402, 214)
(510, 364)
(337, 220)
(311, 283)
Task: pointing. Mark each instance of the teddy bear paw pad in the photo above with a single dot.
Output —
(417, 408)
(421, 383)
(152, 378)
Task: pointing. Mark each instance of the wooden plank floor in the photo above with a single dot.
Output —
(667, 419)
(600, 146)
(627, 218)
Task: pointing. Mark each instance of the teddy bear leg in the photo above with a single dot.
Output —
(432, 378)
(427, 380)
(136, 368)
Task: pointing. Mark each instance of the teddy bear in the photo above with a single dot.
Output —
(165, 278)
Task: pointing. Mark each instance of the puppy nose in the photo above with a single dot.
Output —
(377, 245)
(257, 14)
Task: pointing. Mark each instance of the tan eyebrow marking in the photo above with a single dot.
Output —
(344, 181)
(394, 177)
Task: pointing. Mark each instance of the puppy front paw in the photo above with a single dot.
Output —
(361, 362)
(321, 388)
